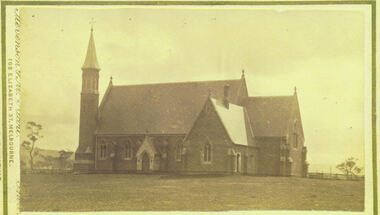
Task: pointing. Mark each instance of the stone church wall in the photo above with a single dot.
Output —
(116, 145)
(165, 160)
(269, 156)
(296, 141)
(297, 156)
(252, 161)
(208, 129)
(171, 163)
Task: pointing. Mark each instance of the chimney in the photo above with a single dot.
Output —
(226, 101)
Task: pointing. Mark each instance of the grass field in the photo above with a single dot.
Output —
(99, 192)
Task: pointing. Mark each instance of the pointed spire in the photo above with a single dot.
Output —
(295, 91)
(242, 74)
(110, 81)
(91, 61)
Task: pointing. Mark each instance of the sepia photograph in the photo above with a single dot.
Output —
(194, 108)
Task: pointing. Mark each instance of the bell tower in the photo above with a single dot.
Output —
(85, 154)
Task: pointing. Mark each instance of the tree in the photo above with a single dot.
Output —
(349, 167)
(33, 136)
(48, 161)
(54, 162)
(63, 156)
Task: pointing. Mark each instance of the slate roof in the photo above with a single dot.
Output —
(233, 120)
(169, 108)
(272, 116)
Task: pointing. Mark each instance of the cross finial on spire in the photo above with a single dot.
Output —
(242, 74)
(92, 22)
(111, 80)
(295, 90)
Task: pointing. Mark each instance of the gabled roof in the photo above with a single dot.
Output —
(272, 116)
(147, 146)
(91, 61)
(169, 108)
(233, 120)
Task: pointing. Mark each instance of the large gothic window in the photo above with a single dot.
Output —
(178, 152)
(295, 134)
(207, 152)
(128, 150)
(103, 151)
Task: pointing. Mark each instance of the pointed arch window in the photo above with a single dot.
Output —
(128, 150)
(103, 151)
(295, 145)
(178, 152)
(207, 152)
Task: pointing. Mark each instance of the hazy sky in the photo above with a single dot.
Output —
(319, 51)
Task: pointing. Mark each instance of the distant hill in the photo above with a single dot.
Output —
(46, 158)
(325, 168)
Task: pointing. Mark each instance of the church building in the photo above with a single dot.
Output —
(205, 127)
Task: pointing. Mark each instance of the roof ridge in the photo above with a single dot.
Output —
(104, 99)
(220, 102)
(184, 82)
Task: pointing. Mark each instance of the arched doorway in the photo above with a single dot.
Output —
(145, 162)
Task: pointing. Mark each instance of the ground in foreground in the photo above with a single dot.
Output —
(94, 192)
